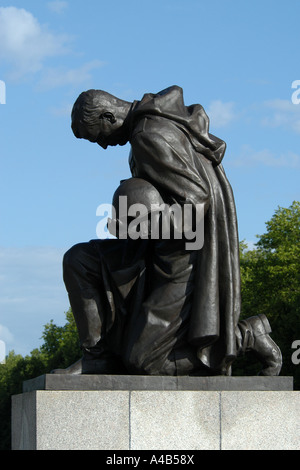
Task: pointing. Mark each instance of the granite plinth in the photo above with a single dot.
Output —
(58, 412)
(137, 382)
(156, 420)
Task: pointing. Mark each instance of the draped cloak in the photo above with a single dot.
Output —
(171, 147)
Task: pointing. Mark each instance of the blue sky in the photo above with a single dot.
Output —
(238, 59)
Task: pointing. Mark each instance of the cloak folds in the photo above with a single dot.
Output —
(173, 149)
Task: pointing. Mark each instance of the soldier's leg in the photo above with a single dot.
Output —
(158, 343)
(83, 277)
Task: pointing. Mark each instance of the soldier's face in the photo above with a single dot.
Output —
(99, 133)
(103, 133)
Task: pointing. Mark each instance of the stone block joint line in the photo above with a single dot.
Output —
(129, 419)
(220, 420)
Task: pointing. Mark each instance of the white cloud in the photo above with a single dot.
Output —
(28, 268)
(32, 293)
(283, 113)
(250, 158)
(57, 77)
(267, 158)
(57, 6)
(221, 114)
(62, 110)
(25, 43)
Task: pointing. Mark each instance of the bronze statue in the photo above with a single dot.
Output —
(149, 305)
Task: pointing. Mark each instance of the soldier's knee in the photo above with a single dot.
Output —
(74, 265)
(72, 256)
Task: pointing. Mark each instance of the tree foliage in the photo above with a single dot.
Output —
(270, 275)
(60, 348)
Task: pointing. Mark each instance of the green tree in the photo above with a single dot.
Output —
(60, 348)
(12, 374)
(270, 277)
(61, 345)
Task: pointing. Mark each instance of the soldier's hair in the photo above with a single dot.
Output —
(88, 108)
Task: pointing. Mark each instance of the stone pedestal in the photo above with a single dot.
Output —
(156, 413)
